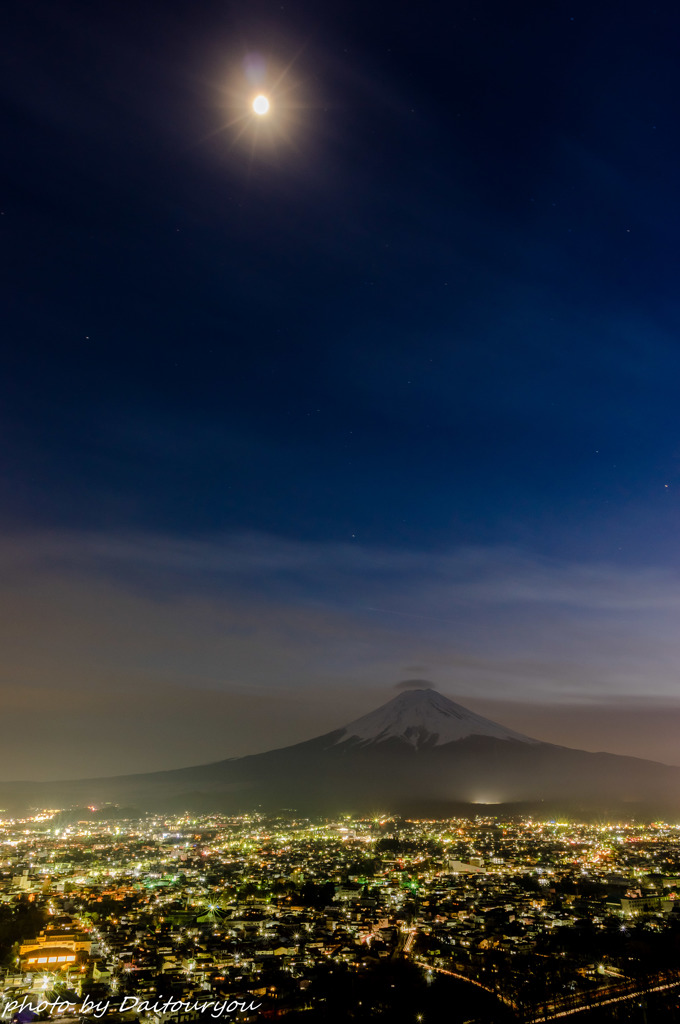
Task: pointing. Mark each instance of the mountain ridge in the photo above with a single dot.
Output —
(419, 712)
(419, 750)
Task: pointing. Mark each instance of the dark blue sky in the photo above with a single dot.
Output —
(428, 307)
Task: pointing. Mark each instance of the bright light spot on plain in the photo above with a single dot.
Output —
(260, 105)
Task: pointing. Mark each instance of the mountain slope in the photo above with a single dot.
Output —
(420, 752)
(422, 716)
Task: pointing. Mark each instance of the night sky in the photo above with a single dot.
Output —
(381, 386)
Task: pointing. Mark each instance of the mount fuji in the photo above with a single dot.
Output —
(420, 753)
(423, 716)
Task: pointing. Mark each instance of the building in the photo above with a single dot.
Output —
(53, 950)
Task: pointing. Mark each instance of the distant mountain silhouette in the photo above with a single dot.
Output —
(419, 753)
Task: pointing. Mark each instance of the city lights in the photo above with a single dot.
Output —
(221, 904)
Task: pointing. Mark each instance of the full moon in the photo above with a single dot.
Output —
(260, 105)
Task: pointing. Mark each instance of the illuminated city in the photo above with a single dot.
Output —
(150, 918)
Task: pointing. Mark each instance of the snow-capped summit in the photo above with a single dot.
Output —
(422, 717)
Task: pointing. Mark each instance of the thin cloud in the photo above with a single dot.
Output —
(415, 684)
(99, 617)
(465, 575)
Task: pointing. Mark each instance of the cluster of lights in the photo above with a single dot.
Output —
(265, 850)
